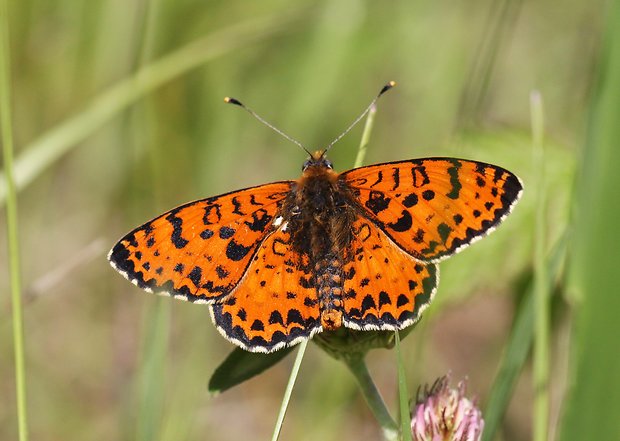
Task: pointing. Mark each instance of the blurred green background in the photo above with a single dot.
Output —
(118, 115)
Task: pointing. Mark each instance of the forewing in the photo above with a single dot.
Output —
(384, 287)
(434, 207)
(275, 305)
(199, 251)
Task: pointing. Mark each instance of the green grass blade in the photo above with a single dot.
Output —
(12, 221)
(403, 394)
(541, 285)
(289, 390)
(150, 388)
(151, 393)
(502, 18)
(44, 151)
(592, 406)
(361, 152)
(518, 346)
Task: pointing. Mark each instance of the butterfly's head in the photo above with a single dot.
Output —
(318, 160)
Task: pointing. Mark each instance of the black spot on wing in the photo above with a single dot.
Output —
(195, 276)
(402, 300)
(257, 325)
(236, 251)
(177, 230)
(242, 314)
(419, 176)
(276, 317)
(379, 179)
(212, 214)
(221, 272)
(444, 231)
(453, 172)
(237, 206)
(206, 234)
(377, 202)
(410, 200)
(226, 232)
(368, 303)
(396, 178)
(403, 223)
(428, 195)
(294, 316)
(384, 299)
(260, 220)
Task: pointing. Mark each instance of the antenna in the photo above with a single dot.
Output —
(384, 89)
(236, 102)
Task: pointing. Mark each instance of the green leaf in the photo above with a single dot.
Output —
(240, 366)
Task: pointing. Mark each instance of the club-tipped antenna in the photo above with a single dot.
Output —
(236, 102)
(384, 89)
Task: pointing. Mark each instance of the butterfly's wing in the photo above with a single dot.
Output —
(434, 207)
(201, 250)
(276, 303)
(384, 287)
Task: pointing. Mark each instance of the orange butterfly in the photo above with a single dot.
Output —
(280, 262)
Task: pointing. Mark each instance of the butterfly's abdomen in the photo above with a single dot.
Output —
(321, 228)
(329, 289)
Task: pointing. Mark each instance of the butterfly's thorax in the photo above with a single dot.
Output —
(320, 216)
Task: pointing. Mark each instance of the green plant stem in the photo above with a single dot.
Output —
(357, 366)
(541, 289)
(289, 389)
(52, 145)
(403, 394)
(12, 221)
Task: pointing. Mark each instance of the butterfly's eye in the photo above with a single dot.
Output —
(328, 163)
(307, 164)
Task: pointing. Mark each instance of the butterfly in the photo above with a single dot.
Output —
(280, 262)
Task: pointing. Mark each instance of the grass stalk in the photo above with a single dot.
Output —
(289, 390)
(357, 365)
(541, 287)
(403, 394)
(12, 222)
(156, 330)
(503, 16)
(44, 151)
